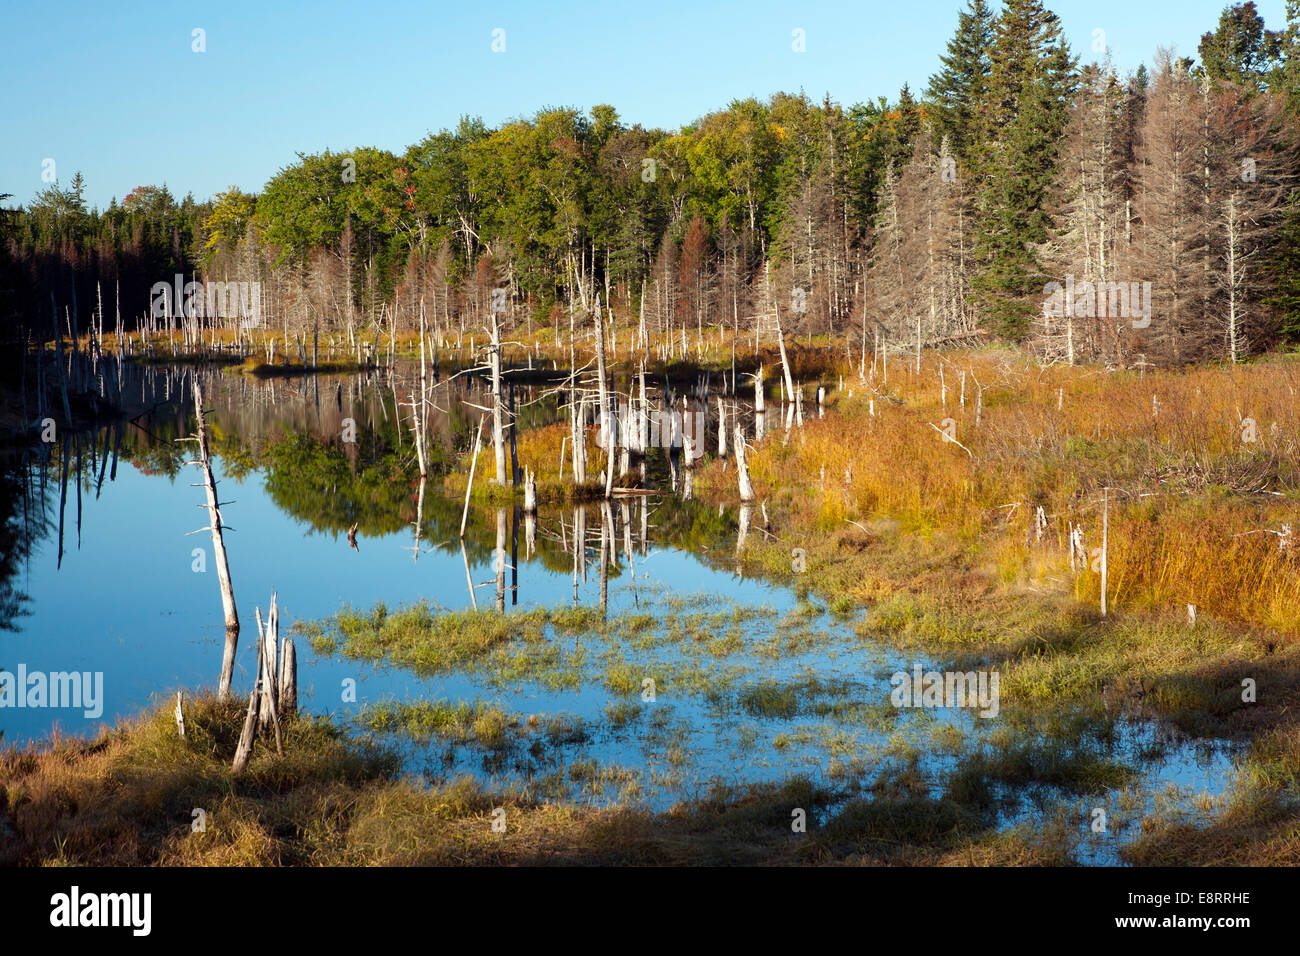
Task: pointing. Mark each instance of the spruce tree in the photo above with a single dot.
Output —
(955, 92)
(1022, 118)
(1242, 50)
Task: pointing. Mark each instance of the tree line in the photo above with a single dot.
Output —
(1162, 205)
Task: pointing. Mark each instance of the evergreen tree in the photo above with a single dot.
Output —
(955, 92)
(1242, 50)
(1023, 115)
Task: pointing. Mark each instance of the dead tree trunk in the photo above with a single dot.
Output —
(268, 716)
(742, 466)
(218, 550)
(785, 367)
(498, 429)
(245, 748)
(606, 421)
(469, 485)
(288, 689)
(576, 417)
(722, 429)
(530, 492)
(514, 448)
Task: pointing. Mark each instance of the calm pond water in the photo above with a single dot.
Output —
(753, 683)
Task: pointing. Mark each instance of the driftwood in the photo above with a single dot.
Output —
(974, 333)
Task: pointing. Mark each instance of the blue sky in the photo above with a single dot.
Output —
(115, 91)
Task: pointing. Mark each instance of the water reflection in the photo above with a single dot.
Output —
(326, 506)
(97, 574)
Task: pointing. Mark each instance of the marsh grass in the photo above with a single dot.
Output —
(1067, 678)
(1196, 508)
(422, 639)
(126, 799)
(777, 700)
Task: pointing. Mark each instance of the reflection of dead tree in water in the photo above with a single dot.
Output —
(499, 556)
(352, 533)
(419, 520)
(608, 553)
(742, 532)
(514, 557)
(469, 580)
(216, 525)
(625, 513)
(63, 497)
(579, 548)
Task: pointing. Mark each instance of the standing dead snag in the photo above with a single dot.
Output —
(530, 492)
(514, 449)
(785, 368)
(742, 466)
(288, 689)
(215, 524)
(722, 429)
(469, 485)
(418, 416)
(498, 426)
(577, 416)
(643, 424)
(606, 421)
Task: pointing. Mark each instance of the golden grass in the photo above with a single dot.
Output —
(1197, 514)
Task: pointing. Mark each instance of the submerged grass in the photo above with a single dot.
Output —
(127, 799)
(1067, 676)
